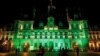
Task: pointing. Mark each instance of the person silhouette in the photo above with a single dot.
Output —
(77, 51)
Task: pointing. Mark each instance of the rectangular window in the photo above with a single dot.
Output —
(56, 44)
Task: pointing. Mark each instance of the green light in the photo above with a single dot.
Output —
(20, 36)
(50, 28)
(38, 36)
(63, 36)
(51, 36)
(21, 26)
(43, 36)
(58, 36)
(32, 37)
(26, 37)
(45, 28)
(69, 26)
(55, 28)
(31, 48)
(48, 37)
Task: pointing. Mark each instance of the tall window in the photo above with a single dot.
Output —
(20, 26)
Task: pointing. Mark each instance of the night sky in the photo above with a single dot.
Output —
(15, 10)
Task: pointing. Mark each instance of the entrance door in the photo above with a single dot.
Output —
(50, 46)
(26, 47)
(74, 45)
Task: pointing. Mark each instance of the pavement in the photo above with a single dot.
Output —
(52, 54)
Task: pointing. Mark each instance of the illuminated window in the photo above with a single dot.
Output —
(58, 33)
(64, 36)
(31, 27)
(0, 37)
(48, 36)
(63, 33)
(99, 35)
(53, 33)
(38, 33)
(53, 36)
(69, 36)
(59, 44)
(26, 37)
(96, 36)
(19, 36)
(92, 36)
(80, 26)
(21, 26)
(31, 48)
(58, 36)
(69, 33)
(48, 33)
(45, 28)
(82, 35)
(69, 26)
(33, 33)
(43, 36)
(12, 36)
(51, 28)
(75, 36)
(55, 28)
(19, 33)
(32, 37)
(38, 36)
(5, 36)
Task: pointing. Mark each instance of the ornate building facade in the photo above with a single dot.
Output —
(51, 37)
(94, 42)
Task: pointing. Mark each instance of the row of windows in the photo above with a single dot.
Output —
(49, 44)
(95, 36)
(48, 33)
(28, 37)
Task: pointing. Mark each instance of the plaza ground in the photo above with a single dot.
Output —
(51, 54)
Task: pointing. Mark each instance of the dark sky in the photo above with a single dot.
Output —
(15, 10)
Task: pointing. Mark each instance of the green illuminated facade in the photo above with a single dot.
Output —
(51, 37)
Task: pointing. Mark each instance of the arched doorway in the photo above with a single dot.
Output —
(26, 47)
(91, 46)
(74, 45)
(98, 46)
(51, 46)
(6, 45)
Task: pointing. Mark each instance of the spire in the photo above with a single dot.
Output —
(25, 15)
(67, 14)
(34, 12)
(75, 16)
(78, 14)
(60, 24)
(51, 7)
(41, 24)
(79, 10)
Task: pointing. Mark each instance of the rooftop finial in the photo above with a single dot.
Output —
(68, 18)
(50, 2)
(75, 16)
(51, 7)
(79, 10)
(34, 11)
